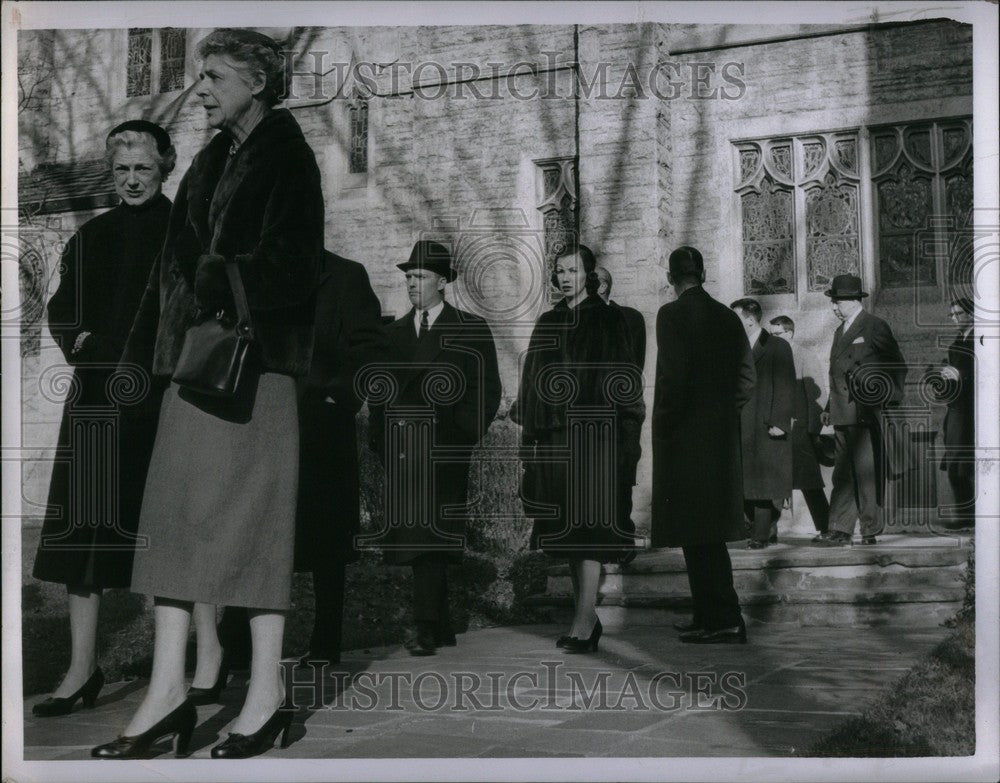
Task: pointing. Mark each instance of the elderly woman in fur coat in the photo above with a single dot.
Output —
(219, 506)
(580, 409)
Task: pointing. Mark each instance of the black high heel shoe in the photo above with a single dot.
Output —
(52, 707)
(211, 695)
(562, 640)
(574, 645)
(244, 746)
(181, 722)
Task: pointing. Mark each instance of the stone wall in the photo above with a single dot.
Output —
(653, 172)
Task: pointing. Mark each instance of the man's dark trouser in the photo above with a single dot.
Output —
(819, 508)
(963, 486)
(855, 494)
(430, 589)
(710, 574)
(328, 619)
(763, 515)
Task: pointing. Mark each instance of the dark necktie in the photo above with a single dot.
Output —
(424, 326)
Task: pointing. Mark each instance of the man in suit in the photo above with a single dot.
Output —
(348, 335)
(959, 389)
(806, 476)
(704, 376)
(766, 426)
(636, 326)
(445, 392)
(867, 373)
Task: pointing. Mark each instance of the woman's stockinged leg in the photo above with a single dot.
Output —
(209, 648)
(84, 606)
(588, 577)
(166, 684)
(266, 691)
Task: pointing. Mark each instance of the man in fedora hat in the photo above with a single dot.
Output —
(867, 372)
(445, 392)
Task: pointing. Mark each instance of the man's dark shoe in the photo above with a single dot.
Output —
(735, 635)
(755, 543)
(420, 639)
(444, 636)
(687, 636)
(822, 536)
(835, 538)
(868, 540)
(688, 627)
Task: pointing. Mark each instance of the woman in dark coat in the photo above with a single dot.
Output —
(219, 504)
(88, 538)
(580, 408)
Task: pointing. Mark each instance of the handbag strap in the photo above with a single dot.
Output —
(240, 297)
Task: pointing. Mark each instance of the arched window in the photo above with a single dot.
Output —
(359, 136)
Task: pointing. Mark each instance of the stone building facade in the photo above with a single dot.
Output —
(786, 154)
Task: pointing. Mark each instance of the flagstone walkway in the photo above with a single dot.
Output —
(508, 692)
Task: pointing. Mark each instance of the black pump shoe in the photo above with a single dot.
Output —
(211, 695)
(574, 645)
(52, 707)
(180, 721)
(244, 746)
(563, 640)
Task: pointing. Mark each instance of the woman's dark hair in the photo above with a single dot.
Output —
(254, 50)
(589, 261)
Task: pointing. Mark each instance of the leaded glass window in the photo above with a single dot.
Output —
(172, 51)
(140, 59)
(922, 175)
(155, 58)
(809, 182)
(359, 136)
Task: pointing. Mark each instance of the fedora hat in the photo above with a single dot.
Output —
(846, 287)
(432, 256)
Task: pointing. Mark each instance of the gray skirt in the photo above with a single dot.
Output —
(218, 513)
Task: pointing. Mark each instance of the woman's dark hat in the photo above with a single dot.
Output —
(430, 255)
(846, 287)
(161, 137)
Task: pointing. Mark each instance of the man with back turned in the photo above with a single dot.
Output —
(704, 376)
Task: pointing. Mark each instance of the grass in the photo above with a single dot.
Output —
(930, 711)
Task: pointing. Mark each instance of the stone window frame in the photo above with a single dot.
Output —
(343, 121)
(867, 179)
(156, 60)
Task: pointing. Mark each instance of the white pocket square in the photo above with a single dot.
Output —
(857, 340)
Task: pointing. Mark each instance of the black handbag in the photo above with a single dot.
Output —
(221, 356)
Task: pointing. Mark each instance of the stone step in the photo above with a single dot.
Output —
(915, 581)
(781, 579)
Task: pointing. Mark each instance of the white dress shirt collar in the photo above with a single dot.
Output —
(432, 315)
(849, 321)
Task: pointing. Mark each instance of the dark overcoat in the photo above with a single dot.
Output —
(867, 371)
(704, 376)
(585, 351)
(960, 420)
(636, 327)
(88, 534)
(807, 423)
(429, 408)
(767, 461)
(349, 334)
(263, 209)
